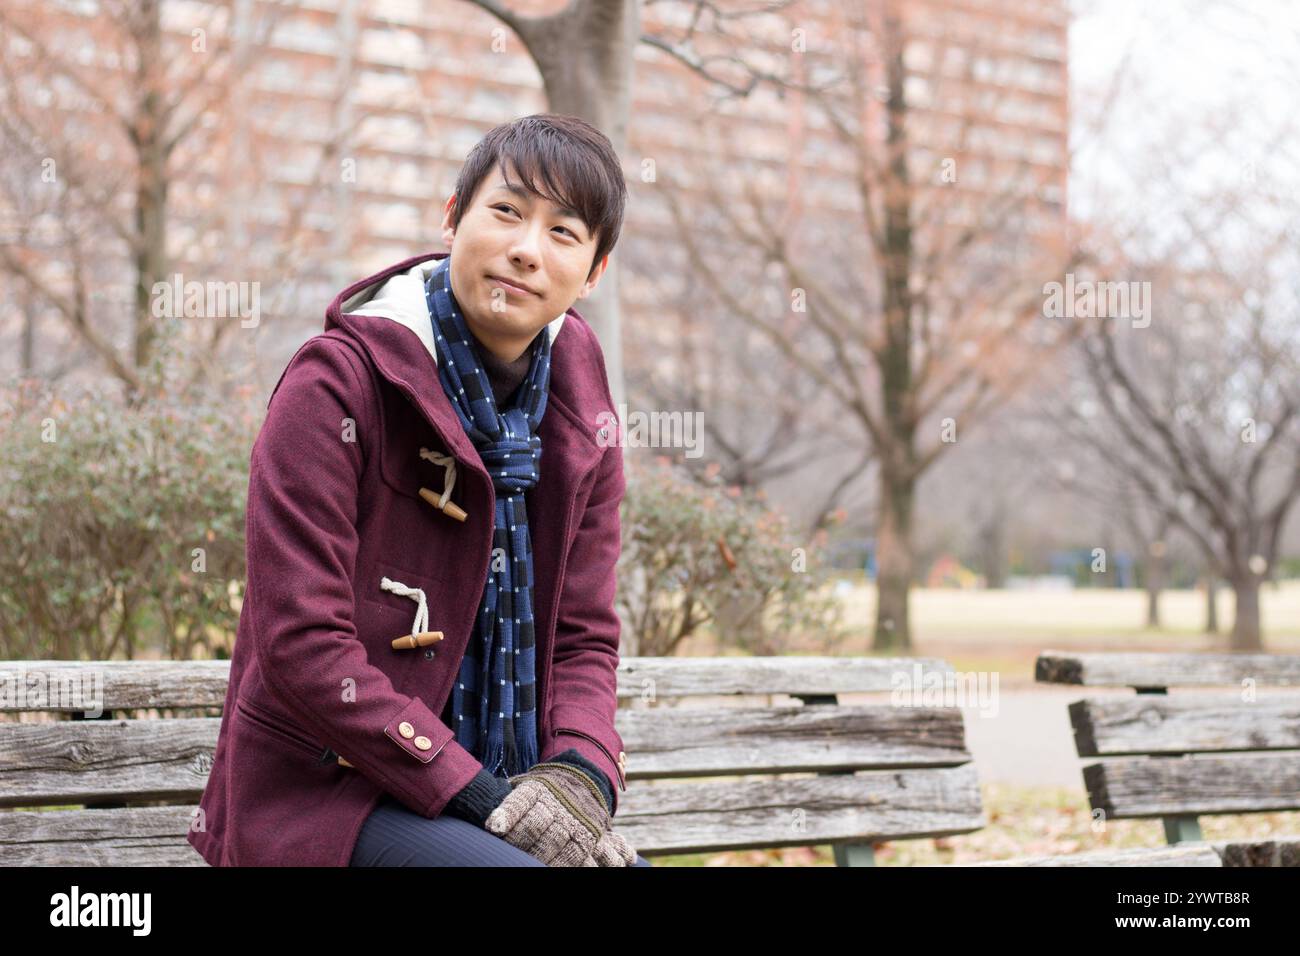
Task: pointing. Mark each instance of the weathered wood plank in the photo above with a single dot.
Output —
(706, 741)
(1195, 854)
(1283, 851)
(1166, 670)
(75, 761)
(1128, 788)
(66, 761)
(674, 817)
(80, 686)
(1159, 723)
(139, 836)
(1277, 851)
(119, 685)
(657, 678)
(667, 818)
(61, 762)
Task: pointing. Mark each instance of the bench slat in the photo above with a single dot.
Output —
(1198, 854)
(669, 818)
(138, 836)
(1157, 723)
(75, 761)
(1274, 851)
(1171, 786)
(1166, 670)
(708, 817)
(60, 762)
(1281, 851)
(71, 686)
(659, 678)
(121, 685)
(700, 741)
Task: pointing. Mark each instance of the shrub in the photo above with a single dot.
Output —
(696, 553)
(124, 523)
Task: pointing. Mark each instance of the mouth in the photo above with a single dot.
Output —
(514, 288)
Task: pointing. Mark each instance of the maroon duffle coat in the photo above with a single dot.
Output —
(334, 507)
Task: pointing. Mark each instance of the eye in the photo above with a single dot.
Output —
(502, 205)
(568, 230)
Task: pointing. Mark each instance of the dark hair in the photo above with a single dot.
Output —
(575, 162)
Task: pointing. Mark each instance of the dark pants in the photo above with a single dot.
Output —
(396, 836)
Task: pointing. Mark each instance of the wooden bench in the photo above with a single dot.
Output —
(716, 775)
(1181, 756)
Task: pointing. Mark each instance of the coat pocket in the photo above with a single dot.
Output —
(279, 729)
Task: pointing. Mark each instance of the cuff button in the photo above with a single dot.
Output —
(424, 743)
(406, 730)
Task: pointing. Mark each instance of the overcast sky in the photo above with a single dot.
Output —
(1220, 76)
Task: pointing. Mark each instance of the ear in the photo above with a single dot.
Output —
(448, 231)
(590, 285)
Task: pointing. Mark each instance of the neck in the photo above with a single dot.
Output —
(505, 353)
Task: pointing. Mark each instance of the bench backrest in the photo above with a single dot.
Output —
(703, 774)
(1183, 754)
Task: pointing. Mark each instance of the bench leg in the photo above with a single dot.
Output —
(854, 854)
(1182, 829)
(846, 854)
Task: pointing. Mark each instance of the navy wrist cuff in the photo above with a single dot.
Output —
(479, 798)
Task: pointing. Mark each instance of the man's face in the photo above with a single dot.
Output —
(524, 240)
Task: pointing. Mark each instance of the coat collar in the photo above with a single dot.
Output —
(387, 314)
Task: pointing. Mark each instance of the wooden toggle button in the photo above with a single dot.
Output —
(422, 639)
(450, 508)
(344, 763)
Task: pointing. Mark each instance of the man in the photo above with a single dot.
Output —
(424, 672)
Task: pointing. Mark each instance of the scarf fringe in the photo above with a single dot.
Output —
(525, 757)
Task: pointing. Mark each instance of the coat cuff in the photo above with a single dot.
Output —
(593, 736)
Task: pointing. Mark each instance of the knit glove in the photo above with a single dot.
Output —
(483, 794)
(595, 773)
(555, 813)
(612, 850)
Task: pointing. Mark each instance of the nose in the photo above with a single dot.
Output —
(525, 248)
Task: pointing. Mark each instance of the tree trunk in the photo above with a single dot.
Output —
(1155, 582)
(895, 563)
(1211, 605)
(27, 357)
(151, 186)
(894, 557)
(592, 80)
(1245, 623)
(993, 550)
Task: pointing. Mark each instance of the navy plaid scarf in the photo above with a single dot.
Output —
(494, 702)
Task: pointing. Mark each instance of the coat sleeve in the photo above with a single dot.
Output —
(585, 662)
(304, 480)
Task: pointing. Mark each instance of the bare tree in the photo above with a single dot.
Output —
(1205, 404)
(929, 314)
(98, 146)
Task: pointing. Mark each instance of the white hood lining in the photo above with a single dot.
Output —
(401, 298)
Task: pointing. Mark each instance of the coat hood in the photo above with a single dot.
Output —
(400, 297)
(378, 315)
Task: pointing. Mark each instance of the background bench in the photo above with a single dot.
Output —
(1184, 755)
(704, 778)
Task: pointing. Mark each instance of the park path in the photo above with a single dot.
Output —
(1027, 739)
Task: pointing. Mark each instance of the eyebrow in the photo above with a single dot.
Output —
(527, 196)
